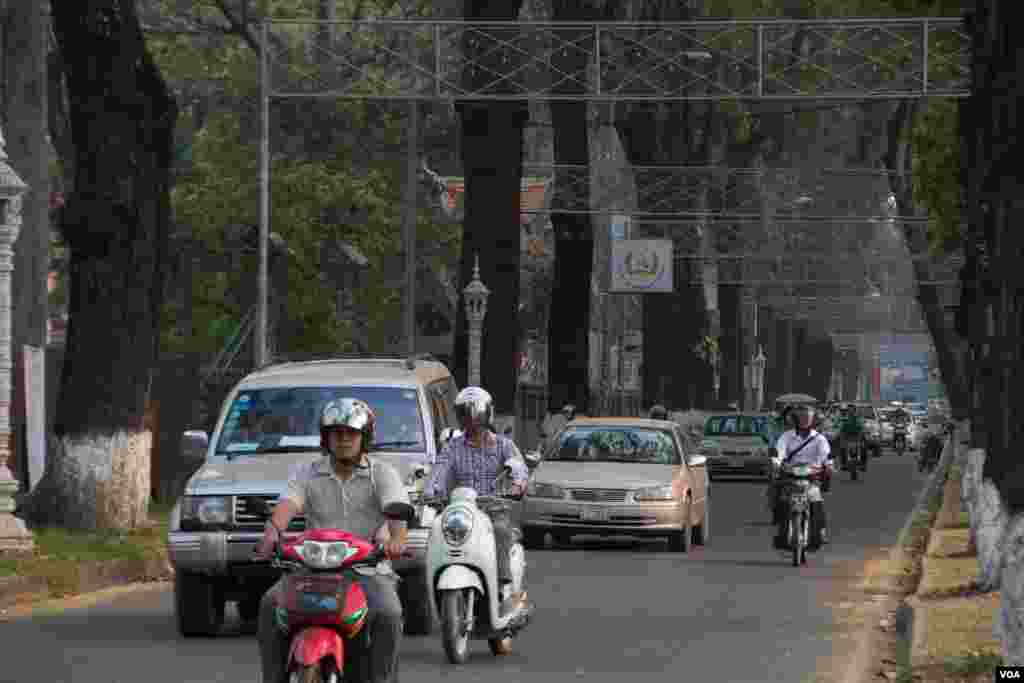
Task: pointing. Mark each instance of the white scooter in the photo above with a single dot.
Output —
(463, 570)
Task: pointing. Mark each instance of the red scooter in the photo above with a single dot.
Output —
(323, 604)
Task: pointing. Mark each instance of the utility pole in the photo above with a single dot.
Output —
(409, 224)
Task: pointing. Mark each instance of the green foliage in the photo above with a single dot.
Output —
(935, 140)
(221, 188)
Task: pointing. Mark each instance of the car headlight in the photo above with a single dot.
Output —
(654, 493)
(456, 525)
(205, 510)
(325, 555)
(539, 490)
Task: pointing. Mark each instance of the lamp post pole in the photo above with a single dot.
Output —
(14, 537)
(475, 295)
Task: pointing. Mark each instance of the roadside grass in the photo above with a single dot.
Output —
(59, 553)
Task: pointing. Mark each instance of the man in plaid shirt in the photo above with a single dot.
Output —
(475, 458)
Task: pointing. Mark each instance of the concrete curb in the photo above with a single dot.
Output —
(910, 619)
(92, 576)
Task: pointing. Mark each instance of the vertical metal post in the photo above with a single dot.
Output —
(409, 225)
(437, 60)
(924, 58)
(262, 295)
(760, 60)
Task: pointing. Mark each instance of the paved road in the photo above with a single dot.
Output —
(734, 612)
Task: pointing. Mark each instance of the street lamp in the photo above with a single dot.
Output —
(475, 295)
(13, 534)
(759, 363)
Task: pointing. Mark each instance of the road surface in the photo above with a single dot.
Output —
(612, 610)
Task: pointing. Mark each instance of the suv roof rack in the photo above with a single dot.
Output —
(409, 361)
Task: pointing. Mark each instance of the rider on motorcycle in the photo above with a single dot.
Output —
(802, 445)
(900, 426)
(344, 490)
(852, 434)
(475, 459)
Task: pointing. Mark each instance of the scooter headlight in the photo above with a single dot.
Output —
(325, 555)
(456, 525)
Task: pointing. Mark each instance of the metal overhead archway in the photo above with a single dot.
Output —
(767, 60)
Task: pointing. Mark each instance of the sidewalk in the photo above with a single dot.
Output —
(953, 625)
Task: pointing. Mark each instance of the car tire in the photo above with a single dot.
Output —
(533, 539)
(249, 609)
(198, 605)
(702, 532)
(418, 616)
(680, 541)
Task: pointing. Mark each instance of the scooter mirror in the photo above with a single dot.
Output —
(400, 511)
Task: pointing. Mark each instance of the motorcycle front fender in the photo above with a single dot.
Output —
(312, 644)
(457, 576)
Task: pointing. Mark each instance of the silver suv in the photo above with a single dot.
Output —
(269, 424)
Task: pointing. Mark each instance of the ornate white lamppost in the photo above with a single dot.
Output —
(14, 537)
(759, 363)
(475, 295)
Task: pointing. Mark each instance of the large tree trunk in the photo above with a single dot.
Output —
(116, 227)
(492, 157)
(569, 322)
(25, 132)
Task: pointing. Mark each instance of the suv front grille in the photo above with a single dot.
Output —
(603, 495)
(251, 518)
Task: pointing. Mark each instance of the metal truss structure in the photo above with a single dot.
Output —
(629, 62)
(730, 193)
(767, 59)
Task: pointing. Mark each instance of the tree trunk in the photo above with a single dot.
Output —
(116, 227)
(730, 302)
(569, 323)
(492, 157)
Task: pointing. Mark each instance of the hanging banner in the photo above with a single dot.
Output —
(641, 266)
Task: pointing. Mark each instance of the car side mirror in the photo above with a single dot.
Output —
(399, 511)
(697, 460)
(532, 459)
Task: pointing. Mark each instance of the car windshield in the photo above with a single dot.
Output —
(288, 419)
(736, 425)
(617, 444)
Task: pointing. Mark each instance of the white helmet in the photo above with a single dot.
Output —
(473, 403)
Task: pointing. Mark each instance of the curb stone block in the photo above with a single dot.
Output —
(15, 589)
(92, 576)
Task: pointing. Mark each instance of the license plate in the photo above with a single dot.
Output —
(316, 601)
(593, 515)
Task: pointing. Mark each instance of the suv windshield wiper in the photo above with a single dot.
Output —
(394, 444)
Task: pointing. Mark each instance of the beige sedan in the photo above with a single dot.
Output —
(618, 476)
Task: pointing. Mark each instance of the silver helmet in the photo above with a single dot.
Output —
(351, 413)
(473, 403)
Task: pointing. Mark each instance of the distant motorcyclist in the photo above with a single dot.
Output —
(802, 445)
(852, 435)
(900, 427)
(475, 458)
(555, 422)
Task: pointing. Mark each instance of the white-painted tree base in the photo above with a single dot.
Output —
(999, 539)
(96, 482)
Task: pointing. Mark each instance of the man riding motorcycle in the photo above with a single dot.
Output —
(802, 445)
(852, 435)
(475, 459)
(344, 490)
(900, 427)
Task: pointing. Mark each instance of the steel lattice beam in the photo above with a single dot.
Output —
(803, 194)
(773, 59)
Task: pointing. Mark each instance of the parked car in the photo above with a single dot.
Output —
(739, 444)
(619, 476)
(269, 424)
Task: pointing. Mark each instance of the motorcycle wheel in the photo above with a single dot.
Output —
(797, 527)
(306, 674)
(854, 472)
(453, 633)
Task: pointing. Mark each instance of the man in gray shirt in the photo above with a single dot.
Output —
(342, 491)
